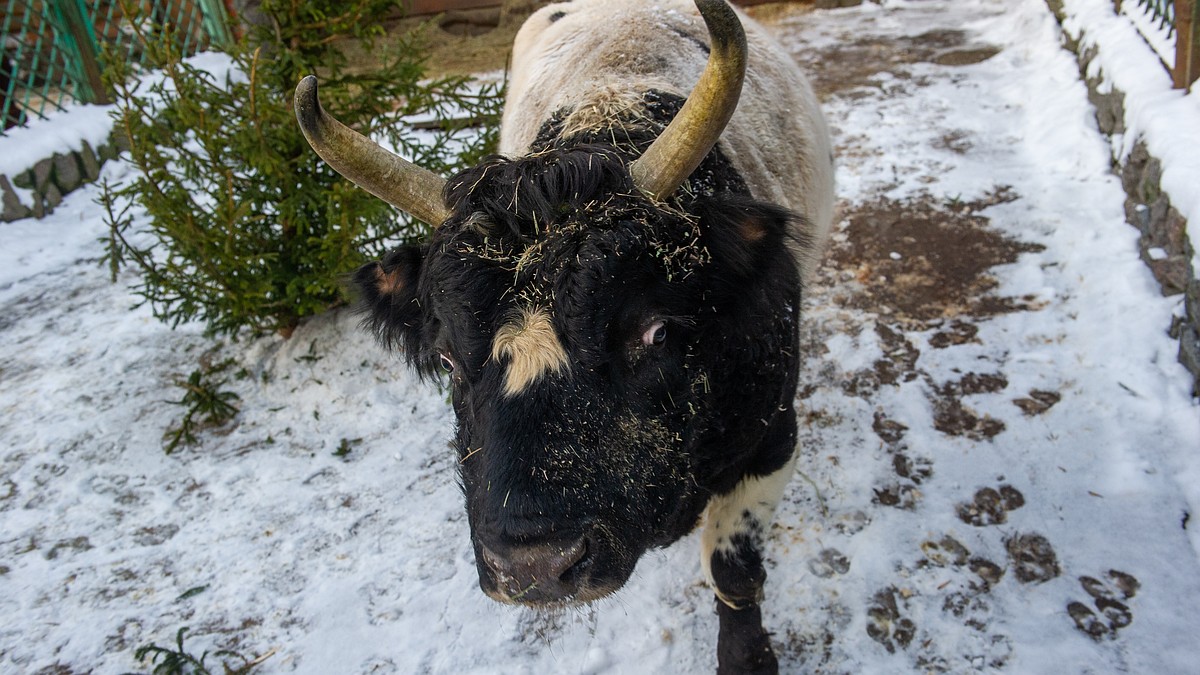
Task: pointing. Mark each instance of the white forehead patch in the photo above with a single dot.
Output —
(532, 348)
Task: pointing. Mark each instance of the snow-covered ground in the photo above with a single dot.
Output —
(1129, 50)
(1000, 452)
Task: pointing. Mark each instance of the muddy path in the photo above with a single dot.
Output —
(949, 508)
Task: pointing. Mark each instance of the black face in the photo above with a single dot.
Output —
(593, 342)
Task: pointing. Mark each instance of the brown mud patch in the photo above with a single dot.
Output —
(922, 262)
(771, 13)
(925, 265)
(858, 62)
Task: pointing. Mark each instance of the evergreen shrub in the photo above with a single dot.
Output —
(246, 228)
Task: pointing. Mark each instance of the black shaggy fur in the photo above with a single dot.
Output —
(714, 175)
(622, 448)
(530, 196)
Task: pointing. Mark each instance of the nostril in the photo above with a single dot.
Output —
(522, 567)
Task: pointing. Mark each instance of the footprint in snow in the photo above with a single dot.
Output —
(886, 624)
(991, 506)
(1032, 557)
(945, 551)
(828, 563)
(1109, 599)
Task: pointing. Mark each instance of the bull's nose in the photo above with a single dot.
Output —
(535, 573)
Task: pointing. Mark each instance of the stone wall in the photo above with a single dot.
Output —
(44, 184)
(1164, 242)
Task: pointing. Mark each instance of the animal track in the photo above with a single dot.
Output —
(886, 625)
(946, 551)
(957, 333)
(382, 604)
(830, 562)
(899, 362)
(991, 506)
(953, 417)
(962, 605)
(1032, 557)
(951, 579)
(900, 495)
(989, 573)
(890, 431)
(1114, 613)
(904, 493)
(898, 365)
(1037, 402)
(916, 470)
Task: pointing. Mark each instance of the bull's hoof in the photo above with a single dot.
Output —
(743, 646)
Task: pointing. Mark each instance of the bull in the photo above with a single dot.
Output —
(614, 298)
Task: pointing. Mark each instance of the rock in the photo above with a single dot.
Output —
(42, 172)
(1148, 188)
(67, 175)
(1189, 356)
(1170, 230)
(108, 151)
(1135, 164)
(1192, 302)
(1110, 109)
(13, 208)
(1171, 273)
(24, 180)
(89, 162)
(53, 197)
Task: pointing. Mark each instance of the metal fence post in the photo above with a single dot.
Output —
(213, 17)
(70, 21)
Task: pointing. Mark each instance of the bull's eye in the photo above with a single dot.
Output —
(446, 363)
(655, 335)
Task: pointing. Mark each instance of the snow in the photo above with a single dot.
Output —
(1153, 30)
(262, 539)
(65, 131)
(61, 132)
(1166, 118)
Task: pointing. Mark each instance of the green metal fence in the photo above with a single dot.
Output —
(1162, 11)
(54, 50)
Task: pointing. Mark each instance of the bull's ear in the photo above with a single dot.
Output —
(388, 297)
(745, 236)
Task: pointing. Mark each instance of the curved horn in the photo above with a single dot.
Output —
(677, 152)
(388, 176)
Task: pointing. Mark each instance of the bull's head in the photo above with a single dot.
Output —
(592, 327)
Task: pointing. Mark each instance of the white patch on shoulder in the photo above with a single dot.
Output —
(532, 348)
(746, 510)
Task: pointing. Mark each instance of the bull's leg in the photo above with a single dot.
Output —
(734, 534)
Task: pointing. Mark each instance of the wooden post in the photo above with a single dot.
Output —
(1187, 43)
